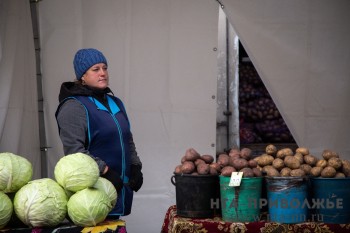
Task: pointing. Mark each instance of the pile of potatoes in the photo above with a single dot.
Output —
(285, 163)
(234, 161)
(239, 160)
(195, 164)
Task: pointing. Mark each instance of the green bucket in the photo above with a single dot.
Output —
(241, 203)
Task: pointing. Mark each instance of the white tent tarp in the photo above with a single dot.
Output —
(162, 64)
(301, 51)
(19, 123)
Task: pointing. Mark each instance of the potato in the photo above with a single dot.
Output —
(264, 160)
(252, 163)
(198, 161)
(297, 172)
(191, 154)
(246, 153)
(227, 170)
(238, 164)
(178, 169)
(257, 172)
(306, 168)
(291, 162)
(300, 157)
(203, 169)
(234, 152)
(234, 156)
(310, 159)
(183, 159)
(230, 161)
(247, 172)
(278, 163)
(216, 166)
(223, 160)
(335, 162)
(321, 163)
(282, 153)
(213, 171)
(270, 171)
(302, 150)
(316, 171)
(327, 154)
(207, 158)
(285, 172)
(328, 172)
(345, 167)
(271, 150)
(187, 167)
(339, 175)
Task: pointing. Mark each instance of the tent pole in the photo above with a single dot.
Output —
(42, 134)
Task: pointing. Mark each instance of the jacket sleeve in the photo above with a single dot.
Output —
(72, 124)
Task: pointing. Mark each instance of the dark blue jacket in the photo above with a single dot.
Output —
(108, 137)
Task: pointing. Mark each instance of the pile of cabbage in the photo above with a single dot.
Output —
(77, 193)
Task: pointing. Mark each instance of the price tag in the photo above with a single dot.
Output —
(236, 178)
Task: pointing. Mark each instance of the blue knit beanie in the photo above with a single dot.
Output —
(85, 58)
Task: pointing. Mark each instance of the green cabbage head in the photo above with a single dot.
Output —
(76, 172)
(15, 171)
(88, 207)
(107, 187)
(6, 209)
(41, 203)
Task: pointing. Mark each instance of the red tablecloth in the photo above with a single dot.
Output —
(175, 224)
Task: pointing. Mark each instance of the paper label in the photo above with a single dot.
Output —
(236, 178)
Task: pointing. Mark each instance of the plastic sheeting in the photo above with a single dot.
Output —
(162, 63)
(301, 51)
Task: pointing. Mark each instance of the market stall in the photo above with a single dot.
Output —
(164, 55)
(280, 190)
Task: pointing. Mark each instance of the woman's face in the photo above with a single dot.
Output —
(97, 76)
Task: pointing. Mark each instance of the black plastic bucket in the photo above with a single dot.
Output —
(197, 196)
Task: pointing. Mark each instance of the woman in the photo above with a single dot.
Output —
(93, 121)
